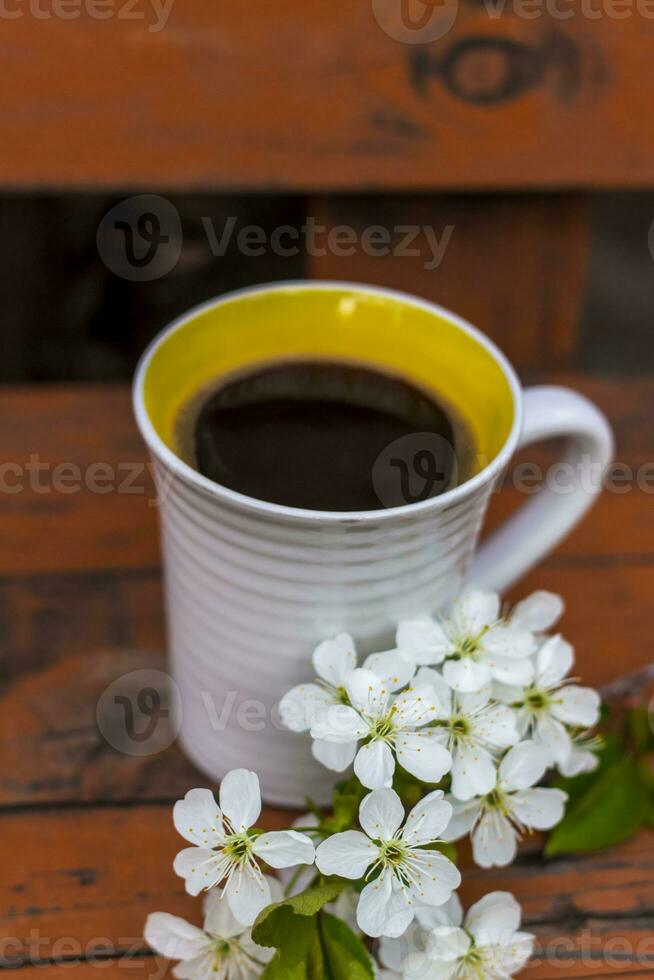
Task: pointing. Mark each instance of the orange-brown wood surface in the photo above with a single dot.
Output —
(86, 837)
(302, 96)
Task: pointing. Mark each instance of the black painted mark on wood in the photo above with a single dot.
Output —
(85, 876)
(491, 71)
(396, 123)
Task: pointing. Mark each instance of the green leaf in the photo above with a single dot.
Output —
(610, 811)
(345, 805)
(273, 923)
(640, 729)
(296, 952)
(345, 955)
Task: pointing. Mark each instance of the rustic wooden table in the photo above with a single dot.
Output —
(87, 839)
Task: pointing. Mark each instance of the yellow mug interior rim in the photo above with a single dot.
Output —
(383, 328)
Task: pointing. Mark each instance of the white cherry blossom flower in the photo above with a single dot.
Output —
(393, 952)
(498, 820)
(402, 871)
(474, 644)
(334, 661)
(489, 945)
(388, 726)
(549, 707)
(473, 729)
(222, 949)
(227, 851)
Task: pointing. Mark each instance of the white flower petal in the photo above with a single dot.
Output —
(553, 736)
(416, 707)
(392, 668)
(392, 953)
(197, 866)
(197, 968)
(448, 943)
(248, 894)
(579, 760)
(374, 765)
(381, 814)
(419, 966)
(506, 670)
(474, 772)
(299, 708)
(494, 841)
(423, 640)
(335, 659)
(523, 765)
(538, 612)
(474, 610)
(508, 643)
(198, 818)
(513, 956)
(218, 917)
(553, 661)
(450, 913)
(427, 677)
(339, 723)
(367, 692)
(373, 909)
(348, 855)
(539, 808)
(576, 706)
(337, 756)
(427, 820)
(507, 693)
(423, 754)
(173, 937)
(474, 701)
(284, 848)
(466, 675)
(497, 726)
(240, 798)
(434, 878)
(464, 815)
(494, 918)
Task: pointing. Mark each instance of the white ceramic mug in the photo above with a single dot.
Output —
(252, 587)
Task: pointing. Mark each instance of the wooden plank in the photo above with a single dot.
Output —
(281, 96)
(110, 522)
(514, 266)
(94, 874)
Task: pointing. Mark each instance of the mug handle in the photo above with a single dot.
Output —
(539, 525)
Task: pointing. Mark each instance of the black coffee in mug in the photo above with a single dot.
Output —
(325, 436)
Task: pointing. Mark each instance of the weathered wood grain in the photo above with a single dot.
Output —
(273, 96)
